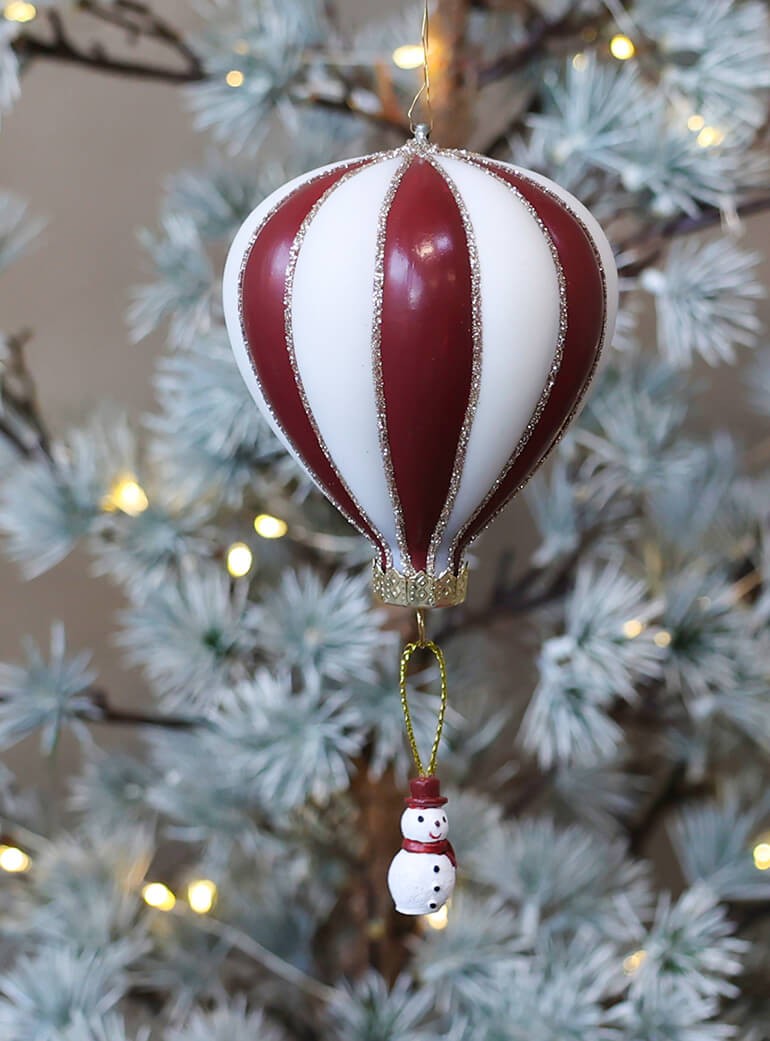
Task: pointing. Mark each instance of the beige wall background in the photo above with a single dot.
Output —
(91, 154)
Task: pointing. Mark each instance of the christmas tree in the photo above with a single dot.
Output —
(607, 744)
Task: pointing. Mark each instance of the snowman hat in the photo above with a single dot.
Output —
(425, 793)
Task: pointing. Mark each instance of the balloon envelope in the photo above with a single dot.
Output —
(419, 326)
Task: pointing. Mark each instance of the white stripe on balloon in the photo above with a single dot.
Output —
(332, 312)
(520, 322)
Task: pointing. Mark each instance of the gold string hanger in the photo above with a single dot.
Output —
(419, 644)
(424, 126)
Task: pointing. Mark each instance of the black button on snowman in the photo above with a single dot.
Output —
(422, 874)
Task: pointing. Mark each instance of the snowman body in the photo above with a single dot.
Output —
(422, 874)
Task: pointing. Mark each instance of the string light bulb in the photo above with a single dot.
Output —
(709, 137)
(234, 78)
(633, 963)
(19, 11)
(14, 860)
(622, 47)
(663, 638)
(126, 495)
(159, 896)
(239, 559)
(633, 628)
(579, 61)
(269, 527)
(761, 854)
(409, 56)
(439, 919)
(696, 123)
(201, 895)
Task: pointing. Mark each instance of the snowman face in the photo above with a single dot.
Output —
(424, 825)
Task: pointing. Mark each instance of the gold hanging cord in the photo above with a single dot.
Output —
(419, 644)
(424, 90)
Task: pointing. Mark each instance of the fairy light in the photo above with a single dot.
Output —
(632, 628)
(663, 638)
(439, 919)
(622, 47)
(201, 895)
(579, 61)
(19, 11)
(761, 854)
(159, 896)
(409, 56)
(126, 495)
(234, 78)
(241, 47)
(239, 559)
(633, 963)
(269, 527)
(709, 137)
(696, 123)
(13, 860)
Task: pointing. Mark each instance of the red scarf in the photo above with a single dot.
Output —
(441, 846)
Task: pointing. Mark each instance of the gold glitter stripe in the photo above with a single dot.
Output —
(376, 347)
(475, 383)
(555, 363)
(352, 167)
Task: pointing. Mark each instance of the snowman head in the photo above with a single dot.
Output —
(424, 819)
(424, 824)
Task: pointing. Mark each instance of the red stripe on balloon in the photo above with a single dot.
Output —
(263, 319)
(586, 314)
(426, 347)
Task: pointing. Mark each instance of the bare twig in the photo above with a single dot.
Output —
(109, 713)
(652, 241)
(267, 959)
(138, 20)
(101, 710)
(20, 398)
(667, 796)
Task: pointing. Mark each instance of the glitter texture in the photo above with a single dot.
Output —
(475, 386)
(376, 347)
(555, 363)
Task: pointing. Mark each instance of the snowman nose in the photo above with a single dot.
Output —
(438, 824)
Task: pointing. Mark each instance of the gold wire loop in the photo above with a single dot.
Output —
(425, 88)
(421, 627)
(405, 658)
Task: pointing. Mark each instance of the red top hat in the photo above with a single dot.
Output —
(426, 792)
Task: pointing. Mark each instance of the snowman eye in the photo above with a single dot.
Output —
(444, 819)
(420, 819)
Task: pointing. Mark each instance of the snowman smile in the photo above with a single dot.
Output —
(434, 836)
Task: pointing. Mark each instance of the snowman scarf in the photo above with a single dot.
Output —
(437, 848)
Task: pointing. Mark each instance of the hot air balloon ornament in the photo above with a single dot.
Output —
(419, 326)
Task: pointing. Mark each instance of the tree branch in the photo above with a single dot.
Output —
(149, 26)
(19, 395)
(518, 58)
(656, 238)
(667, 796)
(267, 959)
(109, 713)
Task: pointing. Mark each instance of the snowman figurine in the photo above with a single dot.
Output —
(421, 877)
